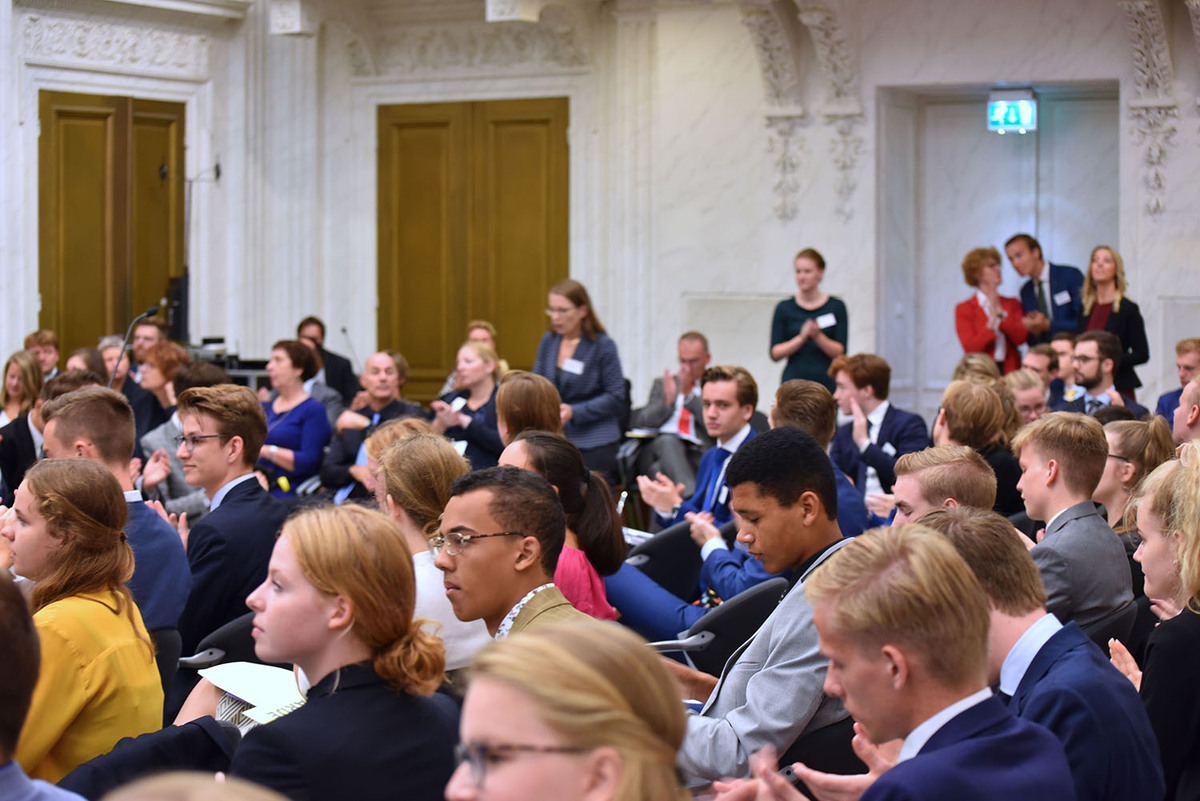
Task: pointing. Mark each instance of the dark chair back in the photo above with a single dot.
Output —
(230, 643)
(734, 622)
(671, 559)
(1115, 625)
(827, 750)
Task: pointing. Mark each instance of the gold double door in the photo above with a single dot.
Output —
(111, 211)
(472, 225)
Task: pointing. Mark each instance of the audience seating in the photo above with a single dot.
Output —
(672, 559)
(230, 643)
(713, 638)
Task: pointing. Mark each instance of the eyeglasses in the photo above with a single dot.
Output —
(189, 441)
(479, 755)
(558, 312)
(1084, 359)
(1119, 456)
(453, 542)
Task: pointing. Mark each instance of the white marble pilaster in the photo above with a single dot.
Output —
(20, 303)
(628, 285)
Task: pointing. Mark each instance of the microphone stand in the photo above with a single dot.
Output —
(129, 332)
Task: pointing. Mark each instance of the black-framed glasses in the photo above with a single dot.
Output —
(453, 542)
(189, 441)
(1119, 456)
(479, 755)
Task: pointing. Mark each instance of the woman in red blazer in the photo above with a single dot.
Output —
(988, 323)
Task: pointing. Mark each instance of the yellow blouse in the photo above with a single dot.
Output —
(98, 683)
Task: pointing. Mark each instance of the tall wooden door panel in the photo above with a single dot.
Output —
(110, 186)
(472, 225)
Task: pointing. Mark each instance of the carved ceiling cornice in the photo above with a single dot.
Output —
(1153, 108)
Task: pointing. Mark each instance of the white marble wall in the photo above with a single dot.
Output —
(673, 221)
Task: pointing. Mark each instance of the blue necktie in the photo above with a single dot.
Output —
(710, 497)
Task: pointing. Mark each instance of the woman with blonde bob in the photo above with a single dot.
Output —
(98, 681)
(1167, 510)
(468, 414)
(338, 604)
(416, 472)
(571, 711)
(1106, 308)
(526, 402)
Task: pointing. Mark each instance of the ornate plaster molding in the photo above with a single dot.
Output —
(221, 9)
(113, 44)
(777, 43)
(1193, 7)
(1153, 110)
(842, 109)
(557, 42)
(292, 18)
(784, 144)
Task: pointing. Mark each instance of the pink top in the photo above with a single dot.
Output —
(581, 584)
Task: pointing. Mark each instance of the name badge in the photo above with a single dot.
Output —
(723, 495)
(460, 445)
(457, 404)
(888, 448)
(827, 320)
(1062, 298)
(573, 366)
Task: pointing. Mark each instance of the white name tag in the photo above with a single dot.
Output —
(723, 495)
(460, 445)
(573, 366)
(888, 448)
(828, 320)
(1062, 298)
(458, 403)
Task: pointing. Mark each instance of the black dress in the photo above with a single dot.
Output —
(1172, 697)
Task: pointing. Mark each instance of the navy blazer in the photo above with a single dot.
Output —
(904, 430)
(709, 469)
(1080, 405)
(1065, 316)
(1094, 711)
(228, 552)
(596, 395)
(984, 754)
(17, 454)
(1168, 402)
(161, 579)
(355, 738)
(343, 448)
(1129, 327)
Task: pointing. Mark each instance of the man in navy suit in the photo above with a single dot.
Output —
(1052, 674)
(1097, 356)
(1187, 365)
(223, 430)
(1053, 299)
(867, 448)
(904, 624)
(729, 396)
(97, 423)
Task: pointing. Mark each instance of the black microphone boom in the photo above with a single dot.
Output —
(150, 312)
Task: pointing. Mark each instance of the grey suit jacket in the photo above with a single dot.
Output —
(1083, 565)
(176, 494)
(657, 411)
(769, 692)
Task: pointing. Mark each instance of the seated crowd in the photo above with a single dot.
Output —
(1002, 601)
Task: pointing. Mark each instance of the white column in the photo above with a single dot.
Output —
(627, 279)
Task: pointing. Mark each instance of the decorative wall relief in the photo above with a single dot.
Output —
(843, 110)
(1193, 7)
(784, 145)
(112, 44)
(1153, 109)
(775, 33)
(558, 41)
